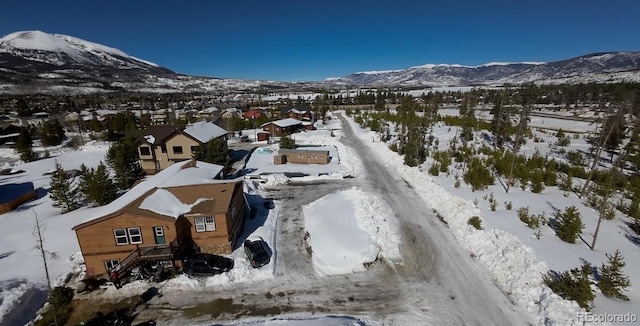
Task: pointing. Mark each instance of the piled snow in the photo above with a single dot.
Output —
(275, 179)
(163, 202)
(150, 139)
(349, 229)
(513, 265)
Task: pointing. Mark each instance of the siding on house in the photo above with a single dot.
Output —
(98, 242)
(219, 200)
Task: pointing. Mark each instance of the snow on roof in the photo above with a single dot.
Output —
(173, 176)
(288, 122)
(163, 202)
(204, 131)
(150, 139)
(210, 110)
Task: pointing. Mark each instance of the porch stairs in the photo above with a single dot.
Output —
(142, 254)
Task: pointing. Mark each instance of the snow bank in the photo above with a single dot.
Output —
(512, 264)
(349, 229)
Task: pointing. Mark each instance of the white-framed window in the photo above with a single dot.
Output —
(111, 263)
(205, 223)
(121, 236)
(135, 236)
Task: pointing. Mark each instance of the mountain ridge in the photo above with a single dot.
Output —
(600, 66)
(39, 62)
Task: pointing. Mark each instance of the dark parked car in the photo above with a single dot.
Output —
(206, 264)
(257, 252)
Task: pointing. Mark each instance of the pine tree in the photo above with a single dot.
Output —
(572, 285)
(52, 133)
(122, 159)
(569, 224)
(500, 123)
(612, 280)
(24, 145)
(97, 186)
(63, 193)
(287, 142)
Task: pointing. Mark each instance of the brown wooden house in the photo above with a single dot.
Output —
(157, 219)
(282, 127)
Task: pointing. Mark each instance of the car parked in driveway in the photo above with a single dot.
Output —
(206, 264)
(257, 252)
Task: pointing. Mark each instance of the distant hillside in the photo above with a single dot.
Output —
(38, 62)
(597, 67)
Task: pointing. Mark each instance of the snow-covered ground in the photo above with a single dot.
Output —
(342, 162)
(507, 247)
(21, 267)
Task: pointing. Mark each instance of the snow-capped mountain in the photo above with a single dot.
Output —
(34, 61)
(597, 67)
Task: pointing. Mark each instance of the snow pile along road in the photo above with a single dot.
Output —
(348, 229)
(512, 264)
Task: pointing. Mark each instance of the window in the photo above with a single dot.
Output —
(135, 236)
(163, 148)
(194, 149)
(233, 211)
(205, 223)
(145, 150)
(111, 263)
(121, 236)
(300, 155)
(177, 149)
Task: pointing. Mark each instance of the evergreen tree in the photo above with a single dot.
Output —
(97, 186)
(287, 142)
(24, 145)
(51, 133)
(612, 280)
(216, 151)
(569, 224)
(500, 123)
(63, 193)
(616, 126)
(572, 285)
(122, 158)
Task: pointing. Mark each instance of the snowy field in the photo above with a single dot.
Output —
(507, 247)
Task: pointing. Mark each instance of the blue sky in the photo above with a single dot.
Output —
(312, 40)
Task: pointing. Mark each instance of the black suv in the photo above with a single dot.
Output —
(257, 252)
(206, 264)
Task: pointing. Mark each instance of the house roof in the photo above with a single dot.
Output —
(204, 131)
(158, 133)
(288, 122)
(308, 151)
(192, 174)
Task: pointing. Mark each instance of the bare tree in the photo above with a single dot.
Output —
(37, 232)
(604, 136)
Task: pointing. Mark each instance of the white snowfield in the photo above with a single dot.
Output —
(69, 45)
(512, 264)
